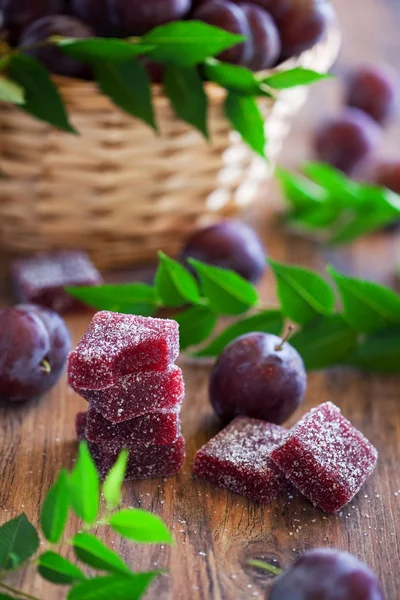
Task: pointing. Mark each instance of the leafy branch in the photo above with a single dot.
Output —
(79, 491)
(328, 205)
(364, 331)
(186, 49)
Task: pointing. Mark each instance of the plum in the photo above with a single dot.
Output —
(373, 89)
(16, 15)
(303, 24)
(93, 12)
(50, 56)
(136, 17)
(260, 376)
(231, 245)
(387, 174)
(34, 346)
(266, 43)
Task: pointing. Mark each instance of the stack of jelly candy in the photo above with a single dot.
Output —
(124, 367)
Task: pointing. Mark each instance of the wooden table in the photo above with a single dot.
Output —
(217, 532)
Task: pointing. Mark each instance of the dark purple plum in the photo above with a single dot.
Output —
(266, 43)
(387, 174)
(231, 245)
(346, 141)
(277, 9)
(228, 16)
(258, 376)
(136, 17)
(16, 15)
(303, 24)
(373, 89)
(327, 574)
(93, 12)
(53, 58)
(34, 346)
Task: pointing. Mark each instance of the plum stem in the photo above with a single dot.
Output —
(260, 564)
(286, 338)
(45, 366)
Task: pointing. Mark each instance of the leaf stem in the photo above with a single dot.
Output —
(260, 564)
(18, 593)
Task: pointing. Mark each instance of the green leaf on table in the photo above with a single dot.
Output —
(91, 551)
(42, 99)
(268, 321)
(303, 294)
(226, 291)
(232, 77)
(54, 514)
(127, 298)
(345, 191)
(185, 89)
(113, 587)
(59, 570)
(318, 218)
(113, 483)
(325, 342)
(367, 306)
(128, 86)
(103, 49)
(187, 43)
(6, 597)
(364, 223)
(245, 116)
(196, 324)
(140, 526)
(379, 352)
(302, 193)
(18, 542)
(294, 77)
(11, 91)
(174, 284)
(84, 486)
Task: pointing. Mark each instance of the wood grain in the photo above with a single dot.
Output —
(217, 532)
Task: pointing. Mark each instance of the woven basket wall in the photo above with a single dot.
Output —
(119, 191)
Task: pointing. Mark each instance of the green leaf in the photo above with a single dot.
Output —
(195, 325)
(302, 193)
(294, 77)
(54, 514)
(11, 91)
(101, 49)
(91, 551)
(227, 293)
(128, 86)
(344, 190)
(187, 43)
(268, 321)
(232, 77)
(6, 597)
(140, 526)
(127, 298)
(114, 480)
(366, 222)
(303, 294)
(317, 218)
(59, 570)
(174, 284)
(113, 587)
(367, 306)
(42, 99)
(184, 88)
(325, 342)
(18, 542)
(84, 486)
(379, 352)
(246, 118)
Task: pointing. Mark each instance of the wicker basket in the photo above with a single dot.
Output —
(120, 192)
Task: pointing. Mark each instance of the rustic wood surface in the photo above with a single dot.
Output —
(217, 532)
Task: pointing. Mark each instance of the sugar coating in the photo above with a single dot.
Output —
(238, 458)
(41, 279)
(145, 460)
(326, 458)
(116, 345)
(138, 394)
(158, 428)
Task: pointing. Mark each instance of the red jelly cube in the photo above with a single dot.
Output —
(137, 394)
(145, 460)
(238, 458)
(116, 345)
(326, 458)
(42, 279)
(157, 428)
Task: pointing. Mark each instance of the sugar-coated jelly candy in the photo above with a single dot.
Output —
(42, 279)
(116, 345)
(238, 458)
(137, 394)
(161, 427)
(145, 460)
(326, 457)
